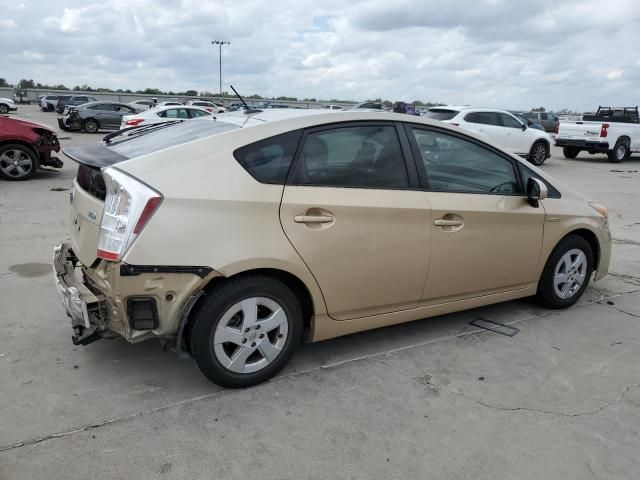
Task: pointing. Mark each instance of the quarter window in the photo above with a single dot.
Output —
(485, 118)
(359, 156)
(268, 161)
(453, 164)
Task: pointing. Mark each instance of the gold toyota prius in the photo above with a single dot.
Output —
(238, 237)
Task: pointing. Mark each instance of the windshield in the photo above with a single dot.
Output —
(440, 114)
(135, 143)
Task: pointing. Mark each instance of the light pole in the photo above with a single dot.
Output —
(220, 43)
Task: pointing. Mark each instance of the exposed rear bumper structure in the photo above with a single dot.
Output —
(86, 310)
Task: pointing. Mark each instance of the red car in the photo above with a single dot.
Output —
(25, 147)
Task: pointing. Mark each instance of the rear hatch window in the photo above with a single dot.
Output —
(135, 142)
(440, 114)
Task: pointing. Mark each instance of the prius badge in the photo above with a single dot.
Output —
(92, 215)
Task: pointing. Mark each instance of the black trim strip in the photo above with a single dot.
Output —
(133, 270)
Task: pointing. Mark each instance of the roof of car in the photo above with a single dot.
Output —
(102, 102)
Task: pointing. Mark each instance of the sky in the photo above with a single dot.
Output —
(516, 54)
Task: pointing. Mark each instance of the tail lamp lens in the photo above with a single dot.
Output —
(134, 122)
(128, 206)
(603, 130)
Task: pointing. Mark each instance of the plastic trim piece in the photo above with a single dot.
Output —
(133, 270)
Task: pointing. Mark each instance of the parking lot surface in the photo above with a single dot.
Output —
(437, 398)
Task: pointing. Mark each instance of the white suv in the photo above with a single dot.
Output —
(499, 127)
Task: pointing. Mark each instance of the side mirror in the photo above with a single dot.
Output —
(536, 191)
(524, 127)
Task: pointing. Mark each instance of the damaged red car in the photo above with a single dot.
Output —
(25, 147)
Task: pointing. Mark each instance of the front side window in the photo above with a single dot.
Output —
(358, 156)
(484, 118)
(509, 121)
(269, 160)
(453, 164)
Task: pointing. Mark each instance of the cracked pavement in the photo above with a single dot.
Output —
(436, 398)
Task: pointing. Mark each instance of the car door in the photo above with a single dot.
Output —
(104, 113)
(355, 215)
(485, 237)
(516, 139)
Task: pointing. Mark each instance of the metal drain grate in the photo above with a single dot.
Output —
(496, 327)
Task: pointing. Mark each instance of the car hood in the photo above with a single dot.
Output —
(7, 100)
(27, 124)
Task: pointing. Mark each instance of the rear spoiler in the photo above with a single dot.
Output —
(94, 155)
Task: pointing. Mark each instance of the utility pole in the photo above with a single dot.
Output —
(220, 43)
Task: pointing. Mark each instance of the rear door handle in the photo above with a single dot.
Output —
(313, 219)
(448, 223)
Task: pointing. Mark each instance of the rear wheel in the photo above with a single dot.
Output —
(619, 153)
(246, 331)
(570, 152)
(90, 126)
(17, 162)
(538, 153)
(566, 273)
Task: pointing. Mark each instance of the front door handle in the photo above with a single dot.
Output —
(448, 223)
(313, 219)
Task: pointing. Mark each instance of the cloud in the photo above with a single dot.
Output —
(498, 53)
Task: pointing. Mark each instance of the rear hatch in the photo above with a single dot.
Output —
(579, 130)
(89, 191)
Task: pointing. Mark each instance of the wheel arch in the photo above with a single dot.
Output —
(23, 143)
(297, 286)
(593, 241)
(624, 138)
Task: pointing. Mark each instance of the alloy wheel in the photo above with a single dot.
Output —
(539, 154)
(570, 273)
(16, 163)
(250, 335)
(621, 152)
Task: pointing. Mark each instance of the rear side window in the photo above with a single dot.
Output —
(269, 160)
(485, 118)
(440, 114)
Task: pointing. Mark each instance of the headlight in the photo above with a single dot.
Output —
(601, 209)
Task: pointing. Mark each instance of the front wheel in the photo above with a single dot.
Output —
(17, 162)
(246, 331)
(566, 274)
(538, 153)
(619, 153)
(4, 109)
(570, 152)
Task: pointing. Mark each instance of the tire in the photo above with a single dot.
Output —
(570, 152)
(26, 158)
(552, 291)
(91, 126)
(538, 153)
(619, 153)
(240, 362)
(4, 109)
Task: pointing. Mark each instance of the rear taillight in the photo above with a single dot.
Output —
(128, 206)
(134, 122)
(603, 130)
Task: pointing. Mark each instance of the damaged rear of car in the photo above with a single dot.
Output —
(109, 211)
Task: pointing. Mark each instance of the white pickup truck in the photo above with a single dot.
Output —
(614, 131)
